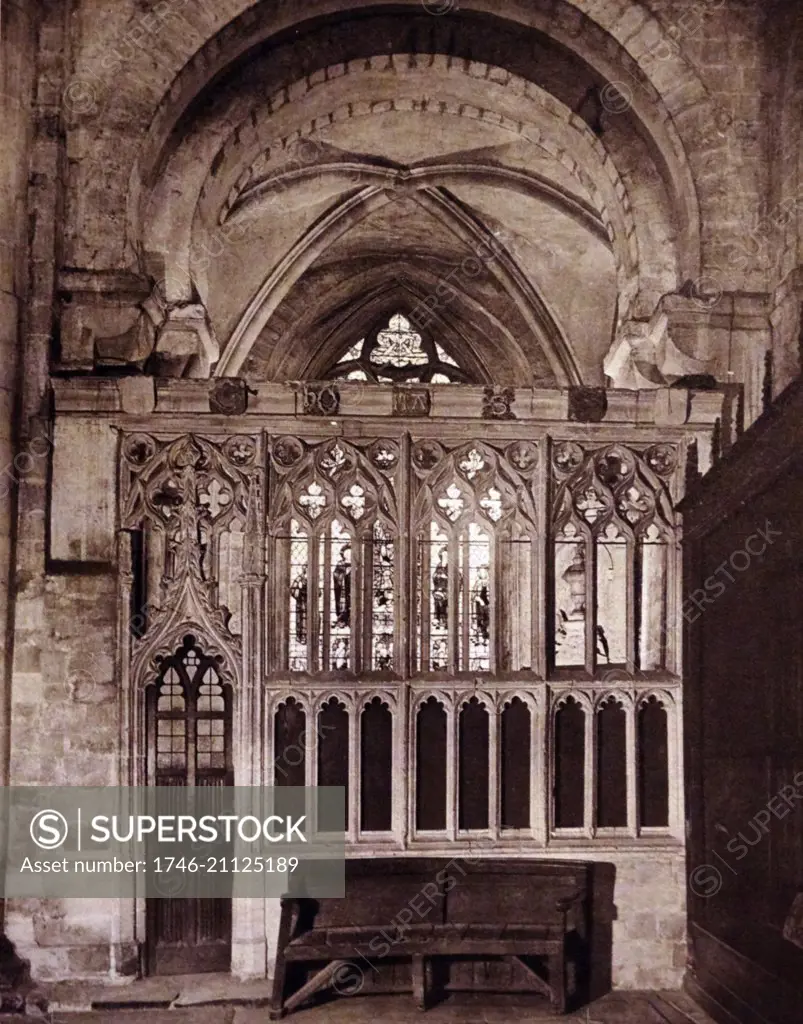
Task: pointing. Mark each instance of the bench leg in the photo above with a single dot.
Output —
(420, 982)
(276, 1009)
(557, 981)
(319, 981)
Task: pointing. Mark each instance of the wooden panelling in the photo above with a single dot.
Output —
(743, 614)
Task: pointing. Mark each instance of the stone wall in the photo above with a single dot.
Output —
(715, 89)
(17, 57)
(705, 205)
(644, 947)
(65, 731)
(65, 727)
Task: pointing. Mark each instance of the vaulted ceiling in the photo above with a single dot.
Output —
(387, 157)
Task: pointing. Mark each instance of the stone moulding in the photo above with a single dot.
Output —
(228, 396)
(412, 401)
(99, 396)
(497, 404)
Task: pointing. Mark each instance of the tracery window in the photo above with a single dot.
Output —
(396, 353)
(336, 533)
(612, 522)
(475, 523)
(425, 562)
(190, 721)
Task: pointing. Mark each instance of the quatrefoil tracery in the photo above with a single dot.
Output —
(313, 501)
(611, 484)
(472, 464)
(162, 476)
(475, 479)
(453, 503)
(334, 476)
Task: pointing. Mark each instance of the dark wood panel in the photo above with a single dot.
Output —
(743, 717)
(376, 768)
(430, 811)
(289, 744)
(333, 760)
(473, 770)
(653, 765)
(611, 766)
(570, 723)
(515, 765)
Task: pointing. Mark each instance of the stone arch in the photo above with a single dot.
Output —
(233, 30)
(345, 214)
(504, 361)
(245, 126)
(565, 138)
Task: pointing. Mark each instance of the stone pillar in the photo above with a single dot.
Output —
(17, 69)
(249, 953)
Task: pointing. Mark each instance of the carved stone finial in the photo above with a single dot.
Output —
(253, 562)
(692, 465)
(767, 387)
(740, 412)
(716, 441)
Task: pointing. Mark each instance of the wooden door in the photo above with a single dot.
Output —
(189, 745)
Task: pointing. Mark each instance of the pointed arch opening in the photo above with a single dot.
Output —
(399, 353)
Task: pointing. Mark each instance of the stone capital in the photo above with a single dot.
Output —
(688, 335)
(186, 345)
(101, 319)
(118, 319)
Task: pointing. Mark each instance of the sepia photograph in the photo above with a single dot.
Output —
(401, 511)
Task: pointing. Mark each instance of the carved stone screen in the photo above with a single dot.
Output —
(471, 636)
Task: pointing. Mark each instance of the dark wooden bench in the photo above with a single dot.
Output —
(419, 910)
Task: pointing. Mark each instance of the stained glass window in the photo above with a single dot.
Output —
(382, 599)
(299, 598)
(397, 353)
(338, 547)
(570, 597)
(398, 345)
(342, 606)
(190, 715)
(611, 520)
(652, 606)
(475, 606)
(474, 586)
(335, 566)
(434, 599)
(612, 603)
(454, 595)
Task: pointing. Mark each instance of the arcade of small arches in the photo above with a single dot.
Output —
(513, 624)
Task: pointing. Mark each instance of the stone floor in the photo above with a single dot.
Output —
(616, 1008)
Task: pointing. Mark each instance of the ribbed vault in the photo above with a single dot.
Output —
(385, 142)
